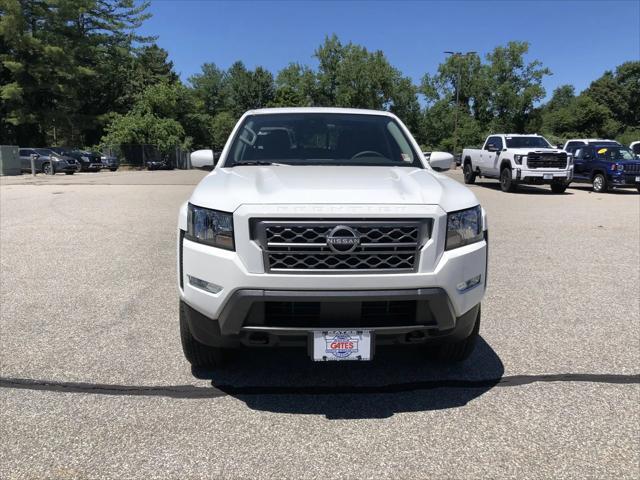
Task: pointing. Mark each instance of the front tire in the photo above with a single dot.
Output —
(457, 351)
(600, 184)
(46, 168)
(198, 354)
(558, 187)
(469, 174)
(506, 181)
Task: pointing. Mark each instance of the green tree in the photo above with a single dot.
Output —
(245, 89)
(296, 86)
(144, 128)
(208, 88)
(221, 127)
(54, 53)
(516, 86)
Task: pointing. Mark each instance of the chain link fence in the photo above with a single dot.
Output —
(141, 155)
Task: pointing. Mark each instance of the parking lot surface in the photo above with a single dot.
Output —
(94, 384)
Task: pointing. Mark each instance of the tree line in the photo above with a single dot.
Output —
(76, 73)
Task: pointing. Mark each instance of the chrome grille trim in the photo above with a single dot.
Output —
(546, 160)
(291, 246)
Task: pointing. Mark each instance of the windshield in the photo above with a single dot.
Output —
(527, 142)
(43, 151)
(321, 139)
(614, 154)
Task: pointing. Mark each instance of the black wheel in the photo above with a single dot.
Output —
(469, 174)
(46, 168)
(198, 354)
(638, 188)
(558, 187)
(113, 169)
(506, 181)
(600, 184)
(457, 351)
(69, 173)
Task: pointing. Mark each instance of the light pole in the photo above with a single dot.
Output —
(458, 55)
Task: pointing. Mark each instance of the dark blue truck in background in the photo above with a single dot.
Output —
(606, 166)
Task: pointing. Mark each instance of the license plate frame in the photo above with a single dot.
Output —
(547, 176)
(341, 345)
(637, 179)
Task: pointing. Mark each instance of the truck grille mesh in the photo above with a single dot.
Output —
(547, 160)
(302, 245)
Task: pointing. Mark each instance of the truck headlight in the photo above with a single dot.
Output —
(210, 227)
(519, 158)
(464, 227)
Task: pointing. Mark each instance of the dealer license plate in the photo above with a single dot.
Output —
(337, 345)
(548, 176)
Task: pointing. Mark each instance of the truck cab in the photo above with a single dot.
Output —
(519, 159)
(607, 166)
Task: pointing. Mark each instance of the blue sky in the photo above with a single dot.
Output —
(577, 40)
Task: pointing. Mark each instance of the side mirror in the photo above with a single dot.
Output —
(202, 158)
(440, 161)
(492, 148)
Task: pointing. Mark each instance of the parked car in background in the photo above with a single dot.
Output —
(516, 159)
(84, 161)
(606, 166)
(88, 161)
(635, 148)
(45, 160)
(109, 161)
(63, 152)
(160, 164)
(574, 144)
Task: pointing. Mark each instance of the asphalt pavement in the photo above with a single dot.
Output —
(93, 383)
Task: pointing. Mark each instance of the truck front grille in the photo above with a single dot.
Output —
(547, 160)
(632, 168)
(341, 245)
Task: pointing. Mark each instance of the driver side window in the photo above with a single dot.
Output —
(492, 142)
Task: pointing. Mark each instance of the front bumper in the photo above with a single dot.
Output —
(243, 280)
(624, 180)
(64, 167)
(228, 332)
(541, 175)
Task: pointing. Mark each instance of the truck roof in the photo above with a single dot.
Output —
(590, 140)
(356, 111)
(516, 134)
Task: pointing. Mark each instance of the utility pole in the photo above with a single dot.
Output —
(457, 55)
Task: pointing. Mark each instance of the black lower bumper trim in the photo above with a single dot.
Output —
(230, 330)
(235, 312)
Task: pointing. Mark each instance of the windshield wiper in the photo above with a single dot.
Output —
(258, 162)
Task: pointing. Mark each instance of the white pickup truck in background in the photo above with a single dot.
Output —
(516, 159)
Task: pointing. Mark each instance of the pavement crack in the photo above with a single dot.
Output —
(192, 391)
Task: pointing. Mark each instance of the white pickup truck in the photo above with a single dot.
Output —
(515, 159)
(328, 229)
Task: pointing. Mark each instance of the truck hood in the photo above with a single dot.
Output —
(228, 188)
(524, 151)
